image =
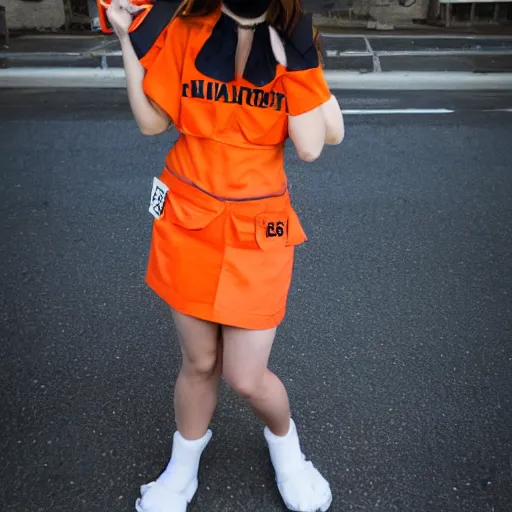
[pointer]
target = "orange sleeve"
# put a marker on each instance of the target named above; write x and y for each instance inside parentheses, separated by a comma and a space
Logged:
(164, 65)
(305, 90)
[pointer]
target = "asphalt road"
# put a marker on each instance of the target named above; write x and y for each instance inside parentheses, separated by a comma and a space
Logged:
(397, 348)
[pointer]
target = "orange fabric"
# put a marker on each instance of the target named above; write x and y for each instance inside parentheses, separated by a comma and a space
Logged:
(228, 171)
(232, 135)
(223, 261)
(163, 64)
(305, 90)
(103, 6)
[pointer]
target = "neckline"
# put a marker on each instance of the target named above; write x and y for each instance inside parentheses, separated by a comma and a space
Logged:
(244, 23)
(216, 58)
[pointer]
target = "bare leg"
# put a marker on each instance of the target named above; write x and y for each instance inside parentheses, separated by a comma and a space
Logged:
(195, 399)
(246, 355)
(197, 386)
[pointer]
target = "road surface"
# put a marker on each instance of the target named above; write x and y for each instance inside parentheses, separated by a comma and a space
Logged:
(397, 347)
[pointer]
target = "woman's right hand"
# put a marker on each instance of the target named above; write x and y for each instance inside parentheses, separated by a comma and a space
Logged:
(119, 15)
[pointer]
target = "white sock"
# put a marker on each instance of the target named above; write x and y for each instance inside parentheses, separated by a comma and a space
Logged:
(302, 487)
(183, 466)
(285, 451)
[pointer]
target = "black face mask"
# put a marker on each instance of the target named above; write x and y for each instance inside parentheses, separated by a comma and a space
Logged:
(247, 8)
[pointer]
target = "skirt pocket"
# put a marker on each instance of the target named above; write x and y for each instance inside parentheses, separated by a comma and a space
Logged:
(191, 214)
(258, 262)
(266, 231)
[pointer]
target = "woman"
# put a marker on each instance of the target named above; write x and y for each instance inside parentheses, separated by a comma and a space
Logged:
(237, 79)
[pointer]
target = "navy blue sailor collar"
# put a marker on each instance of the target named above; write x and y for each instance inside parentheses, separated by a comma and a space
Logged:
(216, 59)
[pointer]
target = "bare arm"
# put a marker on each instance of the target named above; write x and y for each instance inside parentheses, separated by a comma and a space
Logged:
(333, 119)
(307, 132)
(150, 118)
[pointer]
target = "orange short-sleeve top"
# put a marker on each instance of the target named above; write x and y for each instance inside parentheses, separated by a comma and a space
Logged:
(232, 128)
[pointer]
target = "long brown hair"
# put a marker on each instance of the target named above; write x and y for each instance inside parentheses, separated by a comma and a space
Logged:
(283, 15)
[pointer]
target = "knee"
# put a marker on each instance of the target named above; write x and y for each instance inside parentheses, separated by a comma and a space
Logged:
(202, 367)
(245, 386)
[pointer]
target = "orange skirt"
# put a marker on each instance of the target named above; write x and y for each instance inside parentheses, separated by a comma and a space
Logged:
(228, 262)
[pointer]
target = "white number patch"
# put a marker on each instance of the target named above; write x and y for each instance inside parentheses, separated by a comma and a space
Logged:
(158, 195)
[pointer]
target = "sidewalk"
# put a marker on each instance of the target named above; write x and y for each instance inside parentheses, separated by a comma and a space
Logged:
(353, 61)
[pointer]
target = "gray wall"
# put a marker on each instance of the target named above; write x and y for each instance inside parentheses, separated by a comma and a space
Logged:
(44, 14)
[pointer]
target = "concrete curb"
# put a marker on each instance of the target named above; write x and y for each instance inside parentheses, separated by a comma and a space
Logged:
(114, 78)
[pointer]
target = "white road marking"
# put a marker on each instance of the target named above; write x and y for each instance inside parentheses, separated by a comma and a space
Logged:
(394, 111)
(346, 53)
(415, 111)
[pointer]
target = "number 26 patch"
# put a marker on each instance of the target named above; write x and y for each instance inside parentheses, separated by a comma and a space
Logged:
(275, 229)
(158, 195)
(271, 230)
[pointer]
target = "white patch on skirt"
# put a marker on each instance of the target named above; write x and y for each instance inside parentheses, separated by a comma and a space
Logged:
(158, 195)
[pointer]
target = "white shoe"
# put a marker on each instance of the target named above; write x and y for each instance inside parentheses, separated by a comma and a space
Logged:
(302, 487)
